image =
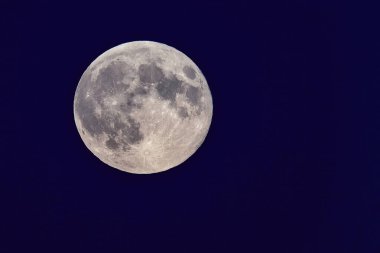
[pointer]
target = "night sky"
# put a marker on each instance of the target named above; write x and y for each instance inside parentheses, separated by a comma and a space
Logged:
(291, 162)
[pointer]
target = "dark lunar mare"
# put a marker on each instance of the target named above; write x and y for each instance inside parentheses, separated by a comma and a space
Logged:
(168, 88)
(85, 107)
(110, 80)
(112, 144)
(193, 94)
(150, 73)
(182, 112)
(189, 72)
(108, 83)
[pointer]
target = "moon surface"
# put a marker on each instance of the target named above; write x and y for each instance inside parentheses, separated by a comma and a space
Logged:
(143, 107)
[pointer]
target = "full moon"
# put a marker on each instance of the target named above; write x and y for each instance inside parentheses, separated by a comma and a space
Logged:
(143, 107)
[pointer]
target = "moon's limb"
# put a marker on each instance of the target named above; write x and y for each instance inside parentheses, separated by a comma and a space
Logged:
(143, 107)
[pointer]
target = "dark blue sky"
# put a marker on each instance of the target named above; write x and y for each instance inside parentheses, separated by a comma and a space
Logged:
(291, 162)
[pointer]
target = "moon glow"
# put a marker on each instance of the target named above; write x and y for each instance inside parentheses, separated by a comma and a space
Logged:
(143, 107)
